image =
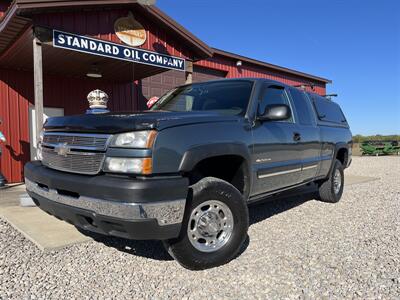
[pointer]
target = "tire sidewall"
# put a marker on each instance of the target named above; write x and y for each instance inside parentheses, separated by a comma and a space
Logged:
(337, 166)
(210, 188)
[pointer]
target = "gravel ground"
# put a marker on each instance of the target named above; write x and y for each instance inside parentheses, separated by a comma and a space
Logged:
(297, 249)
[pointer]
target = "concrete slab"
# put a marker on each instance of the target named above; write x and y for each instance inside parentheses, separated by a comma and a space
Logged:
(45, 231)
(9, 195)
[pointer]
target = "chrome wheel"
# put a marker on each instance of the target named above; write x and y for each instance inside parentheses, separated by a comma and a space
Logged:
(210, 226)
(337, 181)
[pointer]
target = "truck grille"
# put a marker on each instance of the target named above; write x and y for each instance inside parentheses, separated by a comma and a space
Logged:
(77, 141)
(73, 152)
(75, 162)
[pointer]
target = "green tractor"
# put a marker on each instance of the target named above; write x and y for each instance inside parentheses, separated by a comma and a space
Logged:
(380, 148)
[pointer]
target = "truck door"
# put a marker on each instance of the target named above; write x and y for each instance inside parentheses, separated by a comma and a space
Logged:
(276, 157)
(309, 143)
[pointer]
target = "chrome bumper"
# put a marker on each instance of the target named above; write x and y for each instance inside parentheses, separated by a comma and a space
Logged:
(166, 213)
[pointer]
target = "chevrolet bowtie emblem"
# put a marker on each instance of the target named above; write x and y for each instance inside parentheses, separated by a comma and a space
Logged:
(62, 149)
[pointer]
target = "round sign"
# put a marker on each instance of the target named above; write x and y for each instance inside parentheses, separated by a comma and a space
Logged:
(130, 31)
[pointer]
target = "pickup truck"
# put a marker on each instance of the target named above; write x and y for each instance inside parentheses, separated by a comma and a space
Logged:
(185, 171)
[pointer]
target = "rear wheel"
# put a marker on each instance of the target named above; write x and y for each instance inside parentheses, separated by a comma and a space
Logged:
(214, 227)
(331, 190)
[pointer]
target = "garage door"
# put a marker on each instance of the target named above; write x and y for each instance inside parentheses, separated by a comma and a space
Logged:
(157, 85)
(201, 74)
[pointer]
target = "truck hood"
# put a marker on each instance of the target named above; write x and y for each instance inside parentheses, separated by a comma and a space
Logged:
(124, 122)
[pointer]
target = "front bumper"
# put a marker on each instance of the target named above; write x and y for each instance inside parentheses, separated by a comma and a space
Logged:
(119, 206)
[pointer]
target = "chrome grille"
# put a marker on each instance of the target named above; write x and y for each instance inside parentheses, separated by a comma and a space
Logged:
(76, 140)
(74, 152)
(74, 161)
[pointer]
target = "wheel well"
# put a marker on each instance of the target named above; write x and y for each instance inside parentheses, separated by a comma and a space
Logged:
(231, 168)
(342, 155)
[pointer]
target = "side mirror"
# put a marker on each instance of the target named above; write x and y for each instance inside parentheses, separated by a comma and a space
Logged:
(275, 112)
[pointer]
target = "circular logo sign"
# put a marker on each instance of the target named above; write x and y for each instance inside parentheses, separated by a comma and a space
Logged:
(130, 31)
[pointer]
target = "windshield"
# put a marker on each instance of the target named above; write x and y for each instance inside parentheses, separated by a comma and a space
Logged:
(225, 97)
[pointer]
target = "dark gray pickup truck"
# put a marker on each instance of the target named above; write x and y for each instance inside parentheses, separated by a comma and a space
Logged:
(185, 171)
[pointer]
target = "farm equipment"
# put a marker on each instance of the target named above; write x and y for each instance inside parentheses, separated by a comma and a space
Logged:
(380, 148)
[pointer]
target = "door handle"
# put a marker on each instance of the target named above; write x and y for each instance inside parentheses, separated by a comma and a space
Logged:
(296, 136)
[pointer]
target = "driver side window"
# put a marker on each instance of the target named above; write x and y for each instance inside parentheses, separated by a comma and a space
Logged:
(274, 94)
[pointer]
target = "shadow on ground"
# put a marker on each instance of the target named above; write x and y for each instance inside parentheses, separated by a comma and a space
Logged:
(268, 207)
(258, 212)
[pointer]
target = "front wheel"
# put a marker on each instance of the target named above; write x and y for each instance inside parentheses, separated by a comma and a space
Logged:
(214, 227)
(331, 190)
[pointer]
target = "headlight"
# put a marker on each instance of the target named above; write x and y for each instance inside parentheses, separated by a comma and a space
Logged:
(128, 165)
(135, 139)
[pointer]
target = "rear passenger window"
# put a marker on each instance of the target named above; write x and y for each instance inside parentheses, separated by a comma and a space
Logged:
(274, 95)
(303, 107)
(329, 111)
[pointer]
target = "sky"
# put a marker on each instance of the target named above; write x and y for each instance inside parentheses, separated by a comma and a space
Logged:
(355, 43)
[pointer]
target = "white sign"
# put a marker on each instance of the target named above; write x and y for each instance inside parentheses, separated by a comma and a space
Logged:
(88, 45)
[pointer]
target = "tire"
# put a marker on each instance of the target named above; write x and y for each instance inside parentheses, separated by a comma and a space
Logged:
(216, 198)
(328, 190)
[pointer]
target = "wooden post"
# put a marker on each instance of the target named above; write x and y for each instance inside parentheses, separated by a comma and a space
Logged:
(189, 72)
(38, 85)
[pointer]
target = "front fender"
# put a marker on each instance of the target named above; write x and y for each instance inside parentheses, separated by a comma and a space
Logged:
(198, 153)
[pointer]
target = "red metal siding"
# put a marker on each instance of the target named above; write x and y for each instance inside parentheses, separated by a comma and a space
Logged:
(100, 24)
(16, 92)
(71, 94)
(247, 70)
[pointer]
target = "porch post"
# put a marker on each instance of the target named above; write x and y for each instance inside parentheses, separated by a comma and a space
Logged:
(38, 84)
(189, 72)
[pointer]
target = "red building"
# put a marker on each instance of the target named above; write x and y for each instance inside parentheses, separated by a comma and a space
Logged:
(138, 50)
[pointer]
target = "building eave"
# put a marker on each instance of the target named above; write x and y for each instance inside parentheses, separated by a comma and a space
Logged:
(268, 65)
